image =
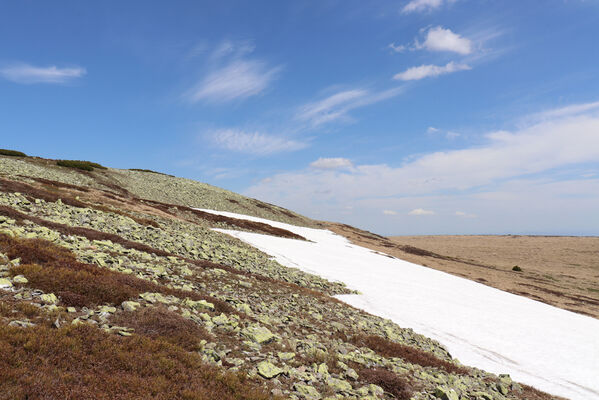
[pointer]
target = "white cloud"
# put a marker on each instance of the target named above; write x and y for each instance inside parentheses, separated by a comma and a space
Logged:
(237, 80)
(255, 143)
(426, 71)
(337, 106)
(421, 211)
(441, 39)
(567, 111)
(389, 212)
(332, 163)
(423, 5)
(25, 73)
(431, 130)
(446, 181)
(464, 214)
(397, 48)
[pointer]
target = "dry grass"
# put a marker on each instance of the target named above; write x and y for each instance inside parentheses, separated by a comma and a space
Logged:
(82, 362)
(413, 355)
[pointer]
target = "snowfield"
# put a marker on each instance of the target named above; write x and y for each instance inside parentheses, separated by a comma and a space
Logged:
(554, 350)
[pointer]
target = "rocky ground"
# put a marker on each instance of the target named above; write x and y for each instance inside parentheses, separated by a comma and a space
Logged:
(111, 287)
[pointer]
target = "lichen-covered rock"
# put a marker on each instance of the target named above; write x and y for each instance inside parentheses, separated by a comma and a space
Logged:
(20, 279)
(268, 370)
(339, 385)
(5, 283)
(306, 391)
(130, 305)
(49, 298)
(285, 356)
(258, 334)
(198, 305)
(446, 393)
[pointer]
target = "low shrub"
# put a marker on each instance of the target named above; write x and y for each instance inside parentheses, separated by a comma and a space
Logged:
(158, 322)
(390, 382)
(79, 164)
(82, 362)
(413, 355)
(56, 269)
(150, 171)
(12, 153)
(516, 268)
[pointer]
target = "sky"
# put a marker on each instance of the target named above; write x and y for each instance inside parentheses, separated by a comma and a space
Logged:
(401, 117)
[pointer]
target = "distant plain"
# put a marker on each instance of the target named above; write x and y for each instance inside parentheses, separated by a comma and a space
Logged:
(562, 271)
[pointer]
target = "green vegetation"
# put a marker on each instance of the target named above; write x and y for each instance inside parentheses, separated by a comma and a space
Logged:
(79, 164)
(12, 153)
(150, 171)
(516, 268)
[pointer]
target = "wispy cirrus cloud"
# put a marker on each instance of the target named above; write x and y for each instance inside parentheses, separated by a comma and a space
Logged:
(29, 74)
(424, 5)
(516, 171)
(232, 75)
(337, 106)
(428, 71)
(254, 143)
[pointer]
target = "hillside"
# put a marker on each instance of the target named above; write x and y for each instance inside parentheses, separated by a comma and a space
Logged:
(113, 287)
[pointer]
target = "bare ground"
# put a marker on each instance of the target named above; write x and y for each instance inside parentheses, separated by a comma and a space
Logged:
(557, 270)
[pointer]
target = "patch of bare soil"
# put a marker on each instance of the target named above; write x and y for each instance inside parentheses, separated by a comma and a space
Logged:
(557, 270)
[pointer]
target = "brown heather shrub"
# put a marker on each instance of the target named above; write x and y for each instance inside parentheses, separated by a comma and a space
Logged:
(413, 355)
(90, 234)
(390, 382)
(84, 363)
(158, 322)
(10, 186)
(240, 223)
(56, 269)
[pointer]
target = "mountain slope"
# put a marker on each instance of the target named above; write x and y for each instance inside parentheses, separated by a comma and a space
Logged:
(112, 287)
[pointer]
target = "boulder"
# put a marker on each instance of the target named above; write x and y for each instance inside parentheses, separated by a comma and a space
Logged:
(258, 334)
(268, 370)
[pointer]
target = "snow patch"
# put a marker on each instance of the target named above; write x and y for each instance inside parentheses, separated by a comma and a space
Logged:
(554, 350)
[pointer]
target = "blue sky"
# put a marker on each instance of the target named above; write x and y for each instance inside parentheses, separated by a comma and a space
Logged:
(402, 117)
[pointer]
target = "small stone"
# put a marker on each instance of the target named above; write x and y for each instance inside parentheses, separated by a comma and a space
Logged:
(268, 370)
(71, 309)
(307, 391)
(124, 333)
(501, 388)
(20, 279)
(49, 298)
(285, 356)
(220, 320)
(107, 309)
(5, 283)
(445, 393)
(130, 305)
(339, 385)
(323, 369)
